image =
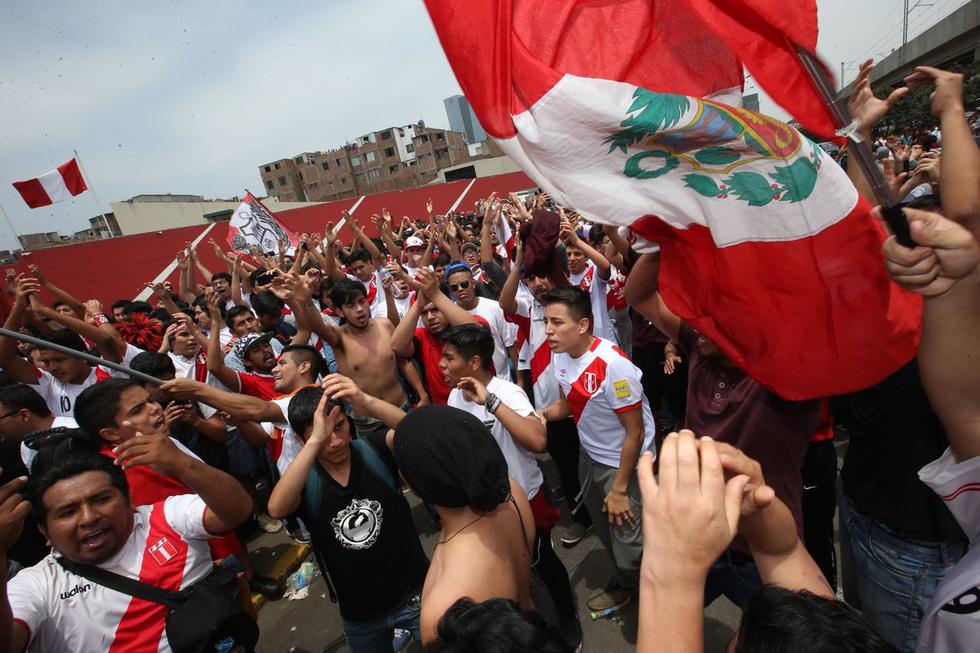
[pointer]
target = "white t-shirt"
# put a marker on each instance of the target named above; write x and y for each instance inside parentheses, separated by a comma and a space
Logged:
(952, 620)
(521, 463)
(600, 384)
(60, 396)
(289, 444)
(28, 455)
(66, 613)
(503, 335)
(530, 318)
(598, 289)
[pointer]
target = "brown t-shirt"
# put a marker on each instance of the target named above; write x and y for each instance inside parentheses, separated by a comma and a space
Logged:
(730, 406)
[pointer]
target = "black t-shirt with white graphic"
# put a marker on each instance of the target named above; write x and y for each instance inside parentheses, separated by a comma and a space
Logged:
(366, 537)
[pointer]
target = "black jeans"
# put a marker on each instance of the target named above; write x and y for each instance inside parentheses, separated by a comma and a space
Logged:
(563, 448)
(667, 393)
(819, 503)
(554, 576)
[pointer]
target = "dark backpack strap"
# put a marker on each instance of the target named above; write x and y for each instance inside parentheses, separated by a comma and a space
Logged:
(373, 460)
(123, 584)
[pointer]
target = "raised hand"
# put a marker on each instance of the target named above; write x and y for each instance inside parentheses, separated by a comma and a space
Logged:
(865, 107)
(427, 282)
(37, 274)
(473, 390)
(948, 95)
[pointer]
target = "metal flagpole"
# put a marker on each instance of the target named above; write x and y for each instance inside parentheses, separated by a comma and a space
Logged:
(891, 211)
(95, 360)
(11, 225)
(91, 188)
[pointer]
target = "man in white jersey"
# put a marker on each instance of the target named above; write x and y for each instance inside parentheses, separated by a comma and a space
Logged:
(526, 310)
(589, 270)
(505, 410)
(600, 388)
(81, 503)
(463, 286)
(23, 411)
(65, 376)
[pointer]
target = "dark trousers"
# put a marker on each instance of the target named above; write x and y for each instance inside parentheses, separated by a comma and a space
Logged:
(819, 504)
(563, 448)
(554, 576)
(667, 393)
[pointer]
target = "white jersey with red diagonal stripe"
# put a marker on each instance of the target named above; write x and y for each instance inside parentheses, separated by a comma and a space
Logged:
(66, 613)
(597, 287)
(599, 385)
(530, 320)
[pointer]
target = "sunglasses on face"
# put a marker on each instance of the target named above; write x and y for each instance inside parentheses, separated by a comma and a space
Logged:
(462, 285)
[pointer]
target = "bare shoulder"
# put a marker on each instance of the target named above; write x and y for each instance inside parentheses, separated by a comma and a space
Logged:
(434, 605)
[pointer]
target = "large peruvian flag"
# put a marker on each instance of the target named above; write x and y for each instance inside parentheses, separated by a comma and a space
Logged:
(253, 225)
(629, 113)
(59, 185)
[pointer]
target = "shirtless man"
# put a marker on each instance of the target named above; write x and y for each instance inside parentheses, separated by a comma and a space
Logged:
(450, 460)
(361, 345)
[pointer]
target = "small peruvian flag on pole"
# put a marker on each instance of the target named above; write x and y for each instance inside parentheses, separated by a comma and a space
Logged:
(59, 185)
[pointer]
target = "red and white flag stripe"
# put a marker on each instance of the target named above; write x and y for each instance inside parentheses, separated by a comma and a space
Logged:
(59, 185)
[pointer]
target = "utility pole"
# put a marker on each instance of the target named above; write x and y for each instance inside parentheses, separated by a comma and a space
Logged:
(905, 24)
(841, 77)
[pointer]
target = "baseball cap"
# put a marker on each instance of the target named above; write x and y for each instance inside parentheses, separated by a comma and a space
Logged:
(414, 241)
(470, 245)
(248, 341)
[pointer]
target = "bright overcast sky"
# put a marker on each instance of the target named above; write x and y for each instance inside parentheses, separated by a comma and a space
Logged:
(191, 97)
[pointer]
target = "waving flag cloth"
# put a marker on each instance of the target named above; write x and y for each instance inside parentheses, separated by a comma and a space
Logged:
(254, 225)
(628, 112)
(59, 185)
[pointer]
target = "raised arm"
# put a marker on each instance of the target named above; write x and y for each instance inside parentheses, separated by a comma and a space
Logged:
(238, 274)
(288, 490)
(206, 273)
(376, 257)
(426, 259)
(341, 388)
(429, 285)
(642, 296)
(527, 430)
(403, 338)
(332, 269)
(216, 358)
(490, 212)
(106, 338)
(959, 184)
(292, 289)
(571, 237)
(384, 229)
(75, 305)
(16, 367)
(943, 268)
(508, 294)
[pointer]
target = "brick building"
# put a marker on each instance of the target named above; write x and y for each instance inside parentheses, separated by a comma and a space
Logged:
(389, 159)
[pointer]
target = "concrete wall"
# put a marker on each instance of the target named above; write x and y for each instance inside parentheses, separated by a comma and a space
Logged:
(951, 38)
(144, 217)
(484, 167)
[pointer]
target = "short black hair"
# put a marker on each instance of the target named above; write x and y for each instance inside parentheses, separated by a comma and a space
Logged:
(359, 254)
(471, 340)
(577, 300)
(218, 276)
(119, 303)
(307, 354)
(443, 260)
(495, 626)
(346, 291)
(96, 406)
(310, 265)
(80, 462)
(20, 395)
(234, 312)
(154, 363)
(265, 302)
(302, 408)
(161, 314)
(202, 304)
(58, 303)
(65, 338)
(777, 619)
(137, 307)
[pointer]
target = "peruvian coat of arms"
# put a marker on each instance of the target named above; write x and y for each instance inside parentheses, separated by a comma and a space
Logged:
(725, 152)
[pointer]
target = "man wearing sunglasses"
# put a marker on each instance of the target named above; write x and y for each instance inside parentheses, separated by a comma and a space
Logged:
(463, 287)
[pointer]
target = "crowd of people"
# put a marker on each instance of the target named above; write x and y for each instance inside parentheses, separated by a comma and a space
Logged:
(448, 356)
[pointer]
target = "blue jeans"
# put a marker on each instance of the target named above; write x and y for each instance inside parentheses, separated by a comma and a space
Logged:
(734, 576)
(375, 635)
(890, 578)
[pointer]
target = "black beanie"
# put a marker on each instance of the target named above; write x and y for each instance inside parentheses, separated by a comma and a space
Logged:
(450, 459)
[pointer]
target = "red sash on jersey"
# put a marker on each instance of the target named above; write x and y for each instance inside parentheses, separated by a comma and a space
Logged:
(586, 385)
(201, 367)
(164, 559)
(372, 289)
(586, 281)
(101, 375)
